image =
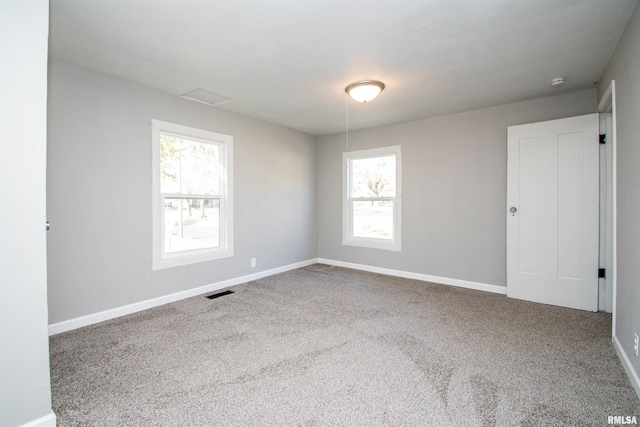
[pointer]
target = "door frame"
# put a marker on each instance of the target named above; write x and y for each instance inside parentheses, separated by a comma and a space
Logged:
(607, 105)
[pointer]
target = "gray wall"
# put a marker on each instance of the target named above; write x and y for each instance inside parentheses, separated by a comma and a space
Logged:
(25, 394)
(99, 193)
(454, 179)
(624, 68)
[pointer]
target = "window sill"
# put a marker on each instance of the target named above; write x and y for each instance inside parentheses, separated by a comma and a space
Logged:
(388, 245)
(187, 259)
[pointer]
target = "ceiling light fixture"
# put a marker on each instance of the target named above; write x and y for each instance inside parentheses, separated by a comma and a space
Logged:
(364, 90)
(560, 81)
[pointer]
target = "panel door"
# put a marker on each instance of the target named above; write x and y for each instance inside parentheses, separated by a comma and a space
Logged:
(553, 212)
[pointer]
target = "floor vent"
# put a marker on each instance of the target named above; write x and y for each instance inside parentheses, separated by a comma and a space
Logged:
(219, 294)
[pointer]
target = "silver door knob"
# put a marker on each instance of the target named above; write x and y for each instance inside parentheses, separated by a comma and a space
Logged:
(513, 209)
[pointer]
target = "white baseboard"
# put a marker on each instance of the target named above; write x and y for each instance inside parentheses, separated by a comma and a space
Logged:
(68, 325)
(102, 316)
(90, 319)
(418, 276)
(622, 355)
(46, 421)
(626, 364)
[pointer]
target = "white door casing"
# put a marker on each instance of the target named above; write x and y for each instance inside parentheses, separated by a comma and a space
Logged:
(552, 237)
(605, 294)
(607, 105)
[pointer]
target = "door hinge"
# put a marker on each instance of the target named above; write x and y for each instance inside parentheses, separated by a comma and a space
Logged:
(602, 273)
(603, 138)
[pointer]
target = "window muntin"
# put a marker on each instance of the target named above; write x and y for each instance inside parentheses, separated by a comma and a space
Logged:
(193, 195)
(371, 214)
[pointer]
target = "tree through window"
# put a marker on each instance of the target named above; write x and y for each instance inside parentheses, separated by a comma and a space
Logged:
(372, 202)
(193, 195)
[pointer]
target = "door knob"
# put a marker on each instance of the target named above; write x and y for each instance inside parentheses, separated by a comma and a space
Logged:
(513, 210)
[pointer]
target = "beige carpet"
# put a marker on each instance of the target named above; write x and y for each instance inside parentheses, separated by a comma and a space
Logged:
(331, 346)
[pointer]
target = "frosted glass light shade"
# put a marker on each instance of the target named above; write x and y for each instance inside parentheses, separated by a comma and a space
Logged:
(365, 90)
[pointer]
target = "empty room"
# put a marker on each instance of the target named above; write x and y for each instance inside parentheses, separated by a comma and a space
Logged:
(331, 212)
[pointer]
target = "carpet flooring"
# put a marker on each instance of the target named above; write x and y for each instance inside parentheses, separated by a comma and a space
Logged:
(329, 346)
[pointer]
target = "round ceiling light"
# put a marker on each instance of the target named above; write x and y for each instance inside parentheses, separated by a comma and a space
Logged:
(364, 90)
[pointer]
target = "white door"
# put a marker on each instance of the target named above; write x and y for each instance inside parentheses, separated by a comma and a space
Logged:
(553, 212)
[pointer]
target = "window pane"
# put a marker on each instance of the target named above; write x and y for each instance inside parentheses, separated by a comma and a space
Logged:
(373, 177)
(373, 219)
(169, 164)
(189, 167)
(191, 224)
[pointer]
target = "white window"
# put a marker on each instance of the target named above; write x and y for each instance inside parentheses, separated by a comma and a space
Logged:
(371, 206)
(192, 195)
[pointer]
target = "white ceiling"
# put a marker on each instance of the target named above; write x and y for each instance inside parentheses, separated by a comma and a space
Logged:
(288, 62)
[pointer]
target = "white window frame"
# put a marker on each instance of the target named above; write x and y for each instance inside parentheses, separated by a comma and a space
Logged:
(348, 238)
(225, 142)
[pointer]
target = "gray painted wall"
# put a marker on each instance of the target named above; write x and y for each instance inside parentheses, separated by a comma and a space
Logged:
(99, 193)
(624, 68)
(25, 394)
(454, 178)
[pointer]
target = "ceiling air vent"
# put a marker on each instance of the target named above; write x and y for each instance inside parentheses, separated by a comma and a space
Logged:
(206, 97)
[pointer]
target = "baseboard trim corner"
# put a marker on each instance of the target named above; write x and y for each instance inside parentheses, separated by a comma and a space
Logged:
(90, 319)
(626, 364)
(46, 421)
(418, 276)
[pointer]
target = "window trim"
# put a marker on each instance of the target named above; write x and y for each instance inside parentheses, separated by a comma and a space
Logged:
(225, 250)
(348, 239)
